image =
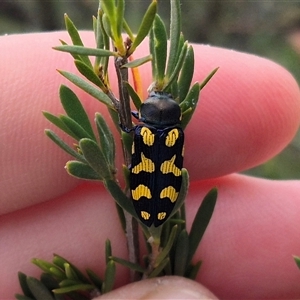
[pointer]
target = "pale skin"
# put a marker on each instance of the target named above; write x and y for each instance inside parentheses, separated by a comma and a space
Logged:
(247, 113)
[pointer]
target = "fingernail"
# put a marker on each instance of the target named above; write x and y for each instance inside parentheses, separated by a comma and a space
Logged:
(178, 293)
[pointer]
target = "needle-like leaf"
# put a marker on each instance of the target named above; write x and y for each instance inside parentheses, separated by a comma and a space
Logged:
(145, 26)
(82, 170)
(95, 158)
(75, 110)
(89, 88)
(201, 221)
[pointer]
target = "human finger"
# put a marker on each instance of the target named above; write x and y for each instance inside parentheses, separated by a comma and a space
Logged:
(247, 247)
(168, 287)
(244, 116)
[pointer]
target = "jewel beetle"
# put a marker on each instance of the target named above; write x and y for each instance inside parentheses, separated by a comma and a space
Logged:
(157, 158)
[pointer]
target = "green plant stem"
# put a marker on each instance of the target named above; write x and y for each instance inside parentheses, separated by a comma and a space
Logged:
(125, 119)
(155, 252)
(154, 239)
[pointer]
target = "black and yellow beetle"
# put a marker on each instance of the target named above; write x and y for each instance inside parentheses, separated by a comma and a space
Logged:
(157, 159)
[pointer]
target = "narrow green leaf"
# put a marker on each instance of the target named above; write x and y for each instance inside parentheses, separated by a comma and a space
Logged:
(162, 255)
(72, 288)
(107, 26)
(177, 67)
(109, 278)
(95, 158)
(193, 270)
(207, 79)
(126, 173)
(43, 264)
(39, 291)
(81, 50)
(134, 96)
(183, 191)
(168, 269)
(95, 279)
(153, 53)
(128, 30)
(128, 264)
(89, 74)
(103, 42)
(120, 8)
(166, 231)
(67, 282)
(160, 49)
(72, 30)
(183, 215)
(145, 26)
(137, 62)
(23, 283)
(175, 29)
(186, 74)
(75, 37)
(95, 26)
(57, 273)
(156, 272)
(98, 35)
(108, 252)
(59, 123)
(115, 118)
(181, 253)
(107, 142)
(106, 39)
(81, 170)
(189, 104)
(70, 273)
(77, 129)
(60, 261)
(180, 44)
(58, 141)
(174, 89)
(74, 109)
(191, 99)
(75, 56)
(109, 8)
(87, 87)
(111, 21)
(121, 216)
(201, 221)
(120, 197)
(127, 141)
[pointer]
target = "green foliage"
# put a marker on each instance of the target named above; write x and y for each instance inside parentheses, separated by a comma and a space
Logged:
(62, 280)
(170, 246)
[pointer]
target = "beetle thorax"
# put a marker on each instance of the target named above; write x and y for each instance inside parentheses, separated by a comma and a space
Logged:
(160, 112)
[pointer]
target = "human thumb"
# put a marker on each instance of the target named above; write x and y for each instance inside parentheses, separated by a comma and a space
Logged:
(168, 287)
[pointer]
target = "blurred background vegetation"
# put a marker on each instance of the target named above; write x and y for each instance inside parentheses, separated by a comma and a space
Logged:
(266, 28)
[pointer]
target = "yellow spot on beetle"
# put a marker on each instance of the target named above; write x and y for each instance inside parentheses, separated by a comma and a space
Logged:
(172, 137)
(145, 215)
(170, 193)
(146, 165)
(161, 215)
(141, 191)
(168, 166)
(148, 136)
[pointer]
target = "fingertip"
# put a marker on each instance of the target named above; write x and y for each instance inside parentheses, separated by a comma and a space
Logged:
(247, 113)
(169, 287)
